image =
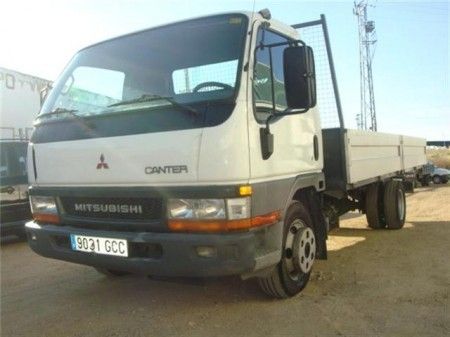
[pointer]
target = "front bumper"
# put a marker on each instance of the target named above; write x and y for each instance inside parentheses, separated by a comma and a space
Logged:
(13, 228)
(166, 254)
(13, 218)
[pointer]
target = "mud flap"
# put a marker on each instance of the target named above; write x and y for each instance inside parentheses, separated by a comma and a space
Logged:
(319, 223)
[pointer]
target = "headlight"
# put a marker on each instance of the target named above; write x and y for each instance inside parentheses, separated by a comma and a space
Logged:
(196, 209)
(41, 204)
(216, 215)
(44, 209)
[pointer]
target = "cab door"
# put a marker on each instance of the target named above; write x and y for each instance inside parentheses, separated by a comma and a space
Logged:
(295, 137)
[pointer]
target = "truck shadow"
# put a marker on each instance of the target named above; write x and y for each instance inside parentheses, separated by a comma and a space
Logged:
(430, 188)
(351, 215)
(410, 225)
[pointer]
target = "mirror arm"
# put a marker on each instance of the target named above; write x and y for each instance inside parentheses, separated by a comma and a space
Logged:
(267, 142)
(287, 112)
(272, 116)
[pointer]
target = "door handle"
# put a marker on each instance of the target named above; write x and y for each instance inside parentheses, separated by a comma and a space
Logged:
(316, 147)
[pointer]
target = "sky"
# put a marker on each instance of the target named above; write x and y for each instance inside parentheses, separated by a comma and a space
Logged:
(410, 67)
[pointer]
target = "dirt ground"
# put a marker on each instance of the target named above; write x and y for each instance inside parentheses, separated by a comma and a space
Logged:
(375, 283)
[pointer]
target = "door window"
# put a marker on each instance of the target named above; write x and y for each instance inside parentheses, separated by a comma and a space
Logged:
(265, 75)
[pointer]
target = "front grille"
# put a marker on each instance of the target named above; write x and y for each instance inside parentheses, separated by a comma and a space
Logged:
(113, 208)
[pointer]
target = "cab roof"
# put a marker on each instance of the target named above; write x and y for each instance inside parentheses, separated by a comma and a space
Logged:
(252, 16)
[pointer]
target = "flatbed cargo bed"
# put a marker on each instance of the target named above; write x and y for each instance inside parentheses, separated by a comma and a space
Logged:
(353, 158)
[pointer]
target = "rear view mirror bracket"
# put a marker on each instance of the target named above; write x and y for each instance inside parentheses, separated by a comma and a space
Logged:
(266, 137)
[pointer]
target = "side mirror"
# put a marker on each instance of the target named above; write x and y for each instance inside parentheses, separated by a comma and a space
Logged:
(299, 77)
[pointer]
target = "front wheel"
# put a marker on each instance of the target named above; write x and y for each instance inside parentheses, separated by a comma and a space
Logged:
(292, 273)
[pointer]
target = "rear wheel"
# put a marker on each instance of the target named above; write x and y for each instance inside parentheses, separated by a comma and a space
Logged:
(374, 207)
(394, 204)
(437, 179)
(111, 272)
(292, 273)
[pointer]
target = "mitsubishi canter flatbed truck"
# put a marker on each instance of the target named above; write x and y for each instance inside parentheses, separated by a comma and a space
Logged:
(196, 149)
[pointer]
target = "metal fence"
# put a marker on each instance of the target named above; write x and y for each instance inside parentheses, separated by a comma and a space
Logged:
(12, 133)
(315, 35)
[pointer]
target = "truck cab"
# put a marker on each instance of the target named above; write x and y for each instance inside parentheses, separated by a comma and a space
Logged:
(221, 82)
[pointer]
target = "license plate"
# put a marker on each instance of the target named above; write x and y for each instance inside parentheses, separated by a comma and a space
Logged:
(104, 246)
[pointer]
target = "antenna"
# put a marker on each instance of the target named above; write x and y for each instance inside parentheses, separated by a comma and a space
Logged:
(366, 119)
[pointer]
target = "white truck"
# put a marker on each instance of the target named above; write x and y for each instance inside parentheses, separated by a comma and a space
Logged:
(19, 103)
(19, 106)
(196, 149)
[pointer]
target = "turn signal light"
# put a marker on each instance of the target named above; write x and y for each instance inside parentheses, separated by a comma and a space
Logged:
(49, 218)
(218, 226)
(245, 190)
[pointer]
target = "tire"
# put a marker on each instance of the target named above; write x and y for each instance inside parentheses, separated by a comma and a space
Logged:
(374, 207)
(111, 272)
(425, 181)
(437, 180)
(394, 204)
(291, 274)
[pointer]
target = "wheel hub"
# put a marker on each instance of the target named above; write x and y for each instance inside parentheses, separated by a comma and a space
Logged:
(300, 249)
(304, 249)
(401, 204)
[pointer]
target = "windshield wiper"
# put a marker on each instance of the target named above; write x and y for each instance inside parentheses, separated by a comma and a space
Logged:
(153, 97)
(71, 112)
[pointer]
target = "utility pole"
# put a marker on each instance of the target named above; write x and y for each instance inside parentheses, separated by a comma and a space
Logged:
(366, 119)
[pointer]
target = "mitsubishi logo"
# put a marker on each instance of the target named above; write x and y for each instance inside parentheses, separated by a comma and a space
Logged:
(102, 164)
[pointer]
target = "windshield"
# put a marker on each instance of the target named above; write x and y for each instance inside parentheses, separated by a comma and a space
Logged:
(189, 63)
(13, 160)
